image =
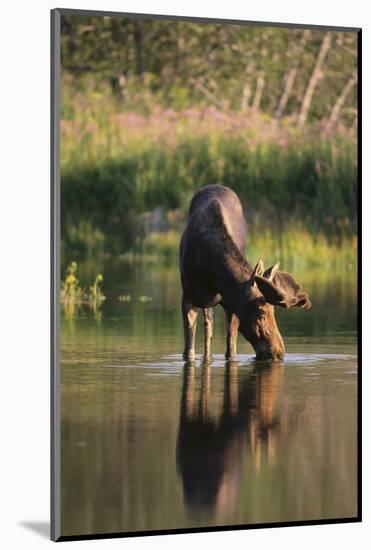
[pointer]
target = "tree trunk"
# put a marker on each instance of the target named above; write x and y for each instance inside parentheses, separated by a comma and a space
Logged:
(335, 113)
(258, 92)
(209, 95)
(246, 91)
(314, 79)
(289, 84)
(138, 48)
(291, 76)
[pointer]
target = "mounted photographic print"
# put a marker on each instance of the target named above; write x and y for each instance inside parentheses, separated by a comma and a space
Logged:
(205, 274)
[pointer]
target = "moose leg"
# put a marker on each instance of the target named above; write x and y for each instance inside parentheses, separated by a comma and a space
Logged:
(231, 326)
(208, 314)
(190, 322)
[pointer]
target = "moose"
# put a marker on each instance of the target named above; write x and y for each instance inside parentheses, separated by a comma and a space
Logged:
(214, 270)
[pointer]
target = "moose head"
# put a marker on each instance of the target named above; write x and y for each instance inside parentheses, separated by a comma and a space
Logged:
(266, 289)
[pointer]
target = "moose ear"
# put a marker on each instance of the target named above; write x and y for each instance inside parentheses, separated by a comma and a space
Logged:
(270, 272)
(270, 291)
(283, 290)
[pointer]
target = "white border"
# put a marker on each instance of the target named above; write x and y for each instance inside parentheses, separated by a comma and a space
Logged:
(24, 283)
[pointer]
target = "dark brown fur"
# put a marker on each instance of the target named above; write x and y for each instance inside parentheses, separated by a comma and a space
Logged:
(214, 270)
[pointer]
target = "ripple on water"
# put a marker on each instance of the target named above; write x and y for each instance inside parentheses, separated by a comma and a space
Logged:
(172, 364)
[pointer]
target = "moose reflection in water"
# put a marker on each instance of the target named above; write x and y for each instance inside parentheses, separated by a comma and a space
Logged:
(210, 451)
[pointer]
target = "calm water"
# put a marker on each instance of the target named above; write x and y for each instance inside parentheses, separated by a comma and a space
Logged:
(150, 443)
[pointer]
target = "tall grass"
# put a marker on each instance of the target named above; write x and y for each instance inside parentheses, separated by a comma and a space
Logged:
(295, 249)
(118, 165)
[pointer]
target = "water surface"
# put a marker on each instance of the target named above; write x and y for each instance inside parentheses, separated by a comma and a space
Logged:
(149, 442)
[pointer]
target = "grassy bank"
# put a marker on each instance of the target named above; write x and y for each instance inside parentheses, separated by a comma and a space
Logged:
(296, 249)
(299, 188)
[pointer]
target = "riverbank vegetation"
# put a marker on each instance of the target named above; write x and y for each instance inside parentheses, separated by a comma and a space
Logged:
(72, 291)
(268, 112)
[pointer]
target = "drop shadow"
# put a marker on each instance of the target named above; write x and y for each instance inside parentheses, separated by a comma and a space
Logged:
(42, 528)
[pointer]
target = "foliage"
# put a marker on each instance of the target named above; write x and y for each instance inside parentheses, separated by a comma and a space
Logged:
(124, 298)
(82, 238)
(152, 110)
(72, 292)
(181, 64)
(295, 248)
(282, 175)
(95, 292)
(70, 286)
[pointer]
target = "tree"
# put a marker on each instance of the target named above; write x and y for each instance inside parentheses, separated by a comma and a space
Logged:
(314, 78)
(180, 64)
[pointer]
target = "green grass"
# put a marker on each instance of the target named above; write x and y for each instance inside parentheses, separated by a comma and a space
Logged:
(296, 249)
(299, 189)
